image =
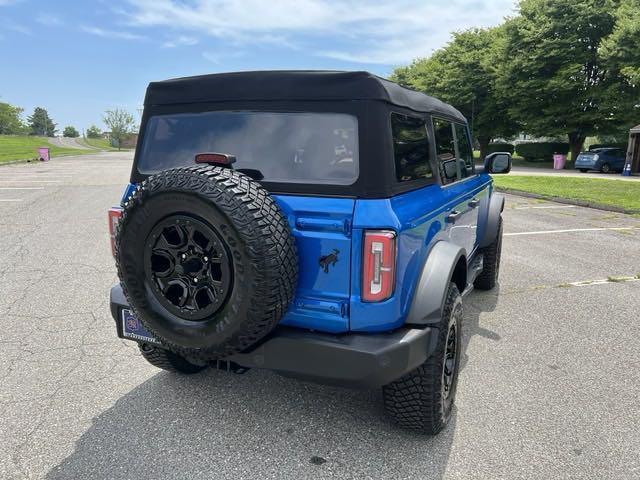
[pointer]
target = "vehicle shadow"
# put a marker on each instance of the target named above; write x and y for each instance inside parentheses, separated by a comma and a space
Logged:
(258, 425)
(475, 304)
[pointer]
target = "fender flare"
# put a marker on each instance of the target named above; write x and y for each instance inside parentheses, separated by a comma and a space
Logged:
(431, 291)
(496, 206)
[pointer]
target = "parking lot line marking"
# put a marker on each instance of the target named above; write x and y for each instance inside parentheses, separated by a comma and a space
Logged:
(21, 188)
(570, 230)
(544, 207)
(10, 199)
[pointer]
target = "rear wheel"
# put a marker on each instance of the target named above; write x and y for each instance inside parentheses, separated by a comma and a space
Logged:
(166, 360)
(422, 400)
(584, 170)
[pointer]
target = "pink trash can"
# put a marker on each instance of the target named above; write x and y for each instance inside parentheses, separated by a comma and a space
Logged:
(43, 154)
(559, 161)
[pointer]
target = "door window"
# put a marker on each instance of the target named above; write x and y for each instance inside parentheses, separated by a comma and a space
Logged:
(445, 151)
(465, 151)
(410, 148)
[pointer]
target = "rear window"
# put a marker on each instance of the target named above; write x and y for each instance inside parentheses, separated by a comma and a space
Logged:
(283, 147)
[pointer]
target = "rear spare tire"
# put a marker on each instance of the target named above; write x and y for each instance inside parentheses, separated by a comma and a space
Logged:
(206, 260)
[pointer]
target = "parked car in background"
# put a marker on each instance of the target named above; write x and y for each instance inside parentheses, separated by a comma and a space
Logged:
(604, 160)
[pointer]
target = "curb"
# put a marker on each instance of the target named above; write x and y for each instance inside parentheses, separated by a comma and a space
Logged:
(568, 201)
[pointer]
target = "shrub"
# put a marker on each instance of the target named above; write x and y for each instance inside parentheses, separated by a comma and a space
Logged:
(541, 150)
(623, 146)
(500, 147)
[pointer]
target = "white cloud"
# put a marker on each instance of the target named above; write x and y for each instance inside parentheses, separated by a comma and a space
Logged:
(100, 32)
(383, 31)
(48, 19)
(220, 56)
(180, 41)
(16, 27)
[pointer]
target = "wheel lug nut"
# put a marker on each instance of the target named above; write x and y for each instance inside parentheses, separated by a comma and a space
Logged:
(195, 280)
(206, 259)
(183, 256)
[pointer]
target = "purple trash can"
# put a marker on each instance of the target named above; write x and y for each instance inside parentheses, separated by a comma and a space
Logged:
(43, 154)
(559, 161)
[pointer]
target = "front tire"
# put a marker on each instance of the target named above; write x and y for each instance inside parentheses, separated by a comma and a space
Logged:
(423, 399)
(606, 168)
(488, 278)
(584, 170)
(169, 361)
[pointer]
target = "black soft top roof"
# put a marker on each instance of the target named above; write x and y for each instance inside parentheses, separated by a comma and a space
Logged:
(292, 85)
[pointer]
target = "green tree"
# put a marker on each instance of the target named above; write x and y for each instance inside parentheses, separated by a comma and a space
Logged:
(552, 72)
(463, 74)
(40, 123)
(621, 53)
(11, 120)
(70, 132)
(120, 122)
(94, 132)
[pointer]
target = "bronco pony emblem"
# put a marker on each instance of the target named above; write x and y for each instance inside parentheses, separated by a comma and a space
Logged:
(330, 259)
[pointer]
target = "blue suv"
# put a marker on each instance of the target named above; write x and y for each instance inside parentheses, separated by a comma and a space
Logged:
(324, 225)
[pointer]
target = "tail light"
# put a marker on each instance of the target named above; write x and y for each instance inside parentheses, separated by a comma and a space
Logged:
(115, 214)
(378, 265)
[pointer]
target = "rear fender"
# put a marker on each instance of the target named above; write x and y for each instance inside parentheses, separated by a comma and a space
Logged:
(433, 284)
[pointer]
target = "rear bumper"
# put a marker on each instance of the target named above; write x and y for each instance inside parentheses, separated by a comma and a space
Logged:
(355, 359)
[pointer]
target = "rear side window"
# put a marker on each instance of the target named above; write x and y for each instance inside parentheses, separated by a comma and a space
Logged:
(445, 151)
(465, 151)
(288, 147)
(410, 148)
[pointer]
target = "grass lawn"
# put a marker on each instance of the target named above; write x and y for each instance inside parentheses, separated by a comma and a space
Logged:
(23, 148)
(617, 193)
(101, 143)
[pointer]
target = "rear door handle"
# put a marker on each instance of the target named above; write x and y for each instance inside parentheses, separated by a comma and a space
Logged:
(453, 216)
(474, 202)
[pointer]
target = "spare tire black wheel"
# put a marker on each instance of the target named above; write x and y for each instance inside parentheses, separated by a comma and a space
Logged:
(206, 260)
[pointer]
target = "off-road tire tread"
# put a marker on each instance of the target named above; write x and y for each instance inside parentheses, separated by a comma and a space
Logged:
(262, 227)
(169, 361)
(488, 278)
(414, 401)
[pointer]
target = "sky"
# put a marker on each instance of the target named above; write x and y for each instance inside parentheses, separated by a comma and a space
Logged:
(79, 58)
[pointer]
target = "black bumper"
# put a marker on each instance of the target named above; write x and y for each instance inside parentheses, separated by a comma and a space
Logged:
(362, 360)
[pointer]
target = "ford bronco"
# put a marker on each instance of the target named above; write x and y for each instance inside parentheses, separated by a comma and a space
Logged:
(324, 225)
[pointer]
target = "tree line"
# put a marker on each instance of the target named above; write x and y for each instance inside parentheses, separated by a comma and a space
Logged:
(120, 123)
(560, 68)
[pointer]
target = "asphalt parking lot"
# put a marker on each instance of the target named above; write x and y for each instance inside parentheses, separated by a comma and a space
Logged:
(549, 386)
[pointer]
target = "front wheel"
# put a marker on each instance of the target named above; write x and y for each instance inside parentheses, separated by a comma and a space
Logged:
(606, 168)
(583, 170)
(488, 278)
(422, 400)
(166, 360)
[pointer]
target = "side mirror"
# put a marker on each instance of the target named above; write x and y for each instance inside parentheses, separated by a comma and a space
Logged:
(497, 163)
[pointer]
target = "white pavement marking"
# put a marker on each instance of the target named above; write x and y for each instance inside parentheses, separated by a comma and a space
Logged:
(21, 188)
(10, 199)
(604, 281)
(545, 207)
(570, 230)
